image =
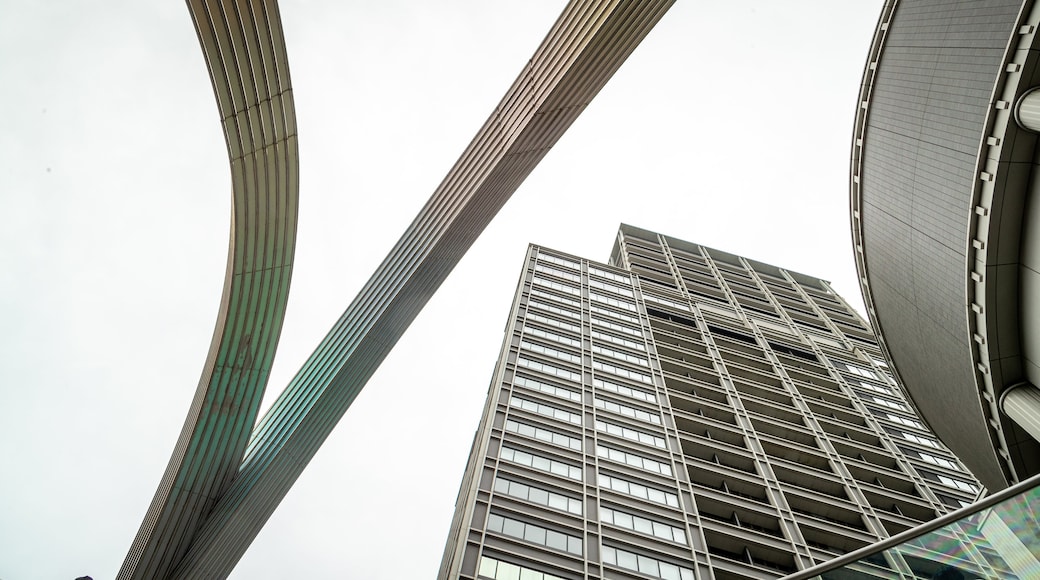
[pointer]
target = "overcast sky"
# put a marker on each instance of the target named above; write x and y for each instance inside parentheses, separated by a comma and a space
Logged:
(729, 126)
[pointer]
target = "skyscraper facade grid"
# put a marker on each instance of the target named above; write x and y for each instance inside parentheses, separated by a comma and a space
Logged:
(682, 413)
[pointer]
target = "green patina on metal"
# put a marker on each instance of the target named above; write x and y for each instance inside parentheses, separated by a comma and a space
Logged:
(238, 41)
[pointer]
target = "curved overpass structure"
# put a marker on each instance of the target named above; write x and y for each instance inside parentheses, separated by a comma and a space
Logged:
(941, 178)
(245, 53)
(586, 45)
(217, 494)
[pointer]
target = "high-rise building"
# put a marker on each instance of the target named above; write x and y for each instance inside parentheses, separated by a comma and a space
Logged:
(682, 413)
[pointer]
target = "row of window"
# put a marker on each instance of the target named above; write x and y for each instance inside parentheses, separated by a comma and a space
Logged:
(611, 288)
(631, 459)
(558, 261)
(890, 404)
(545, 410)
(539, 496)
(498, 570)
(645, 565)
(622, 304)
(631, 434)
(918, 439)
(933, 459)
(548, 369)
(494, 569)
(551, 352)
(619, 355)
(543, 435)
(627, 411)
(625, 391)
(876, 388)
(557, 272)
(618, 340)
(611, 275)
(569, 341)
(622, 372)
(631, 318)
(540, 463)
(552, 321)
(904, 421)
(618, 327)
(566, 288)
(958, 484)
(546, 388)
(534, 534)
(861, 371)
(642, 525)
(556, 297)
(638, 490)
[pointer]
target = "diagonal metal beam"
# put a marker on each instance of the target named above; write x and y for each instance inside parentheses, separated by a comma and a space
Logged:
(587, 44)
(245, 53)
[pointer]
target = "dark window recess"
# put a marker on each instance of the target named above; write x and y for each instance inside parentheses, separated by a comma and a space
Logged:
(732, 334)
(879, 560)
(670, 285)
(671, 317)
(794, 352)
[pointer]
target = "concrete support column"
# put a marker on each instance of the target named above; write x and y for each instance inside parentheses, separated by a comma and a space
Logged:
(1022, 404)
(1027, 111)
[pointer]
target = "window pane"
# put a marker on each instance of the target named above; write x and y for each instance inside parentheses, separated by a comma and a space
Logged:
(557, 501)
(648, 566)
(623, 520)
(669, 572)
(487, 567)
(539, 496)
(556, 540)
(643, 526)
(535, 534)
(507, 571)
(627, 560)
(513, 528)
(495, 523)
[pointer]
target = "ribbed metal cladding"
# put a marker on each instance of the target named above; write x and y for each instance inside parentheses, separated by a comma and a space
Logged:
(244, 49)
(585, 47)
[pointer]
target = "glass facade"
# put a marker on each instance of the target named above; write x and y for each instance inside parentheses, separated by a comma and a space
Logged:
(996, 538)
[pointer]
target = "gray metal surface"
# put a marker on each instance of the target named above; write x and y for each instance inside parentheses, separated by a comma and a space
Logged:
(926, 104)
(585, 47)
(1022, 403)
(245, 53)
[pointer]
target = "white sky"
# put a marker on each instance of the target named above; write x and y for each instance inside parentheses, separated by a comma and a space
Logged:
(729, 126)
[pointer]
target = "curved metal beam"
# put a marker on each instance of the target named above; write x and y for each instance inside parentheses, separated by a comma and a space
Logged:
(590, 40)
(244, 50)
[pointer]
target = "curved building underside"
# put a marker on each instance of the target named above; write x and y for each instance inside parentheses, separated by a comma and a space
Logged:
(941, 179)
(218, 491)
